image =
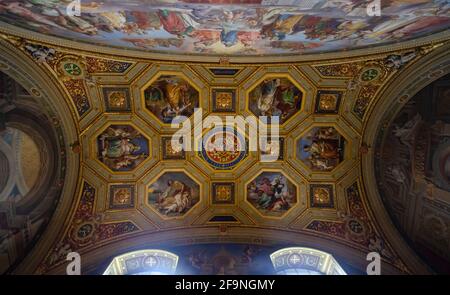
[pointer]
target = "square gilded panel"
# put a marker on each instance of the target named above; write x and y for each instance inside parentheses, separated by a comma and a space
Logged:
(224, 100)
(223, 193)
(121, 196)
(170, 152)
(117, 99)
(328, 101)
(321, 195)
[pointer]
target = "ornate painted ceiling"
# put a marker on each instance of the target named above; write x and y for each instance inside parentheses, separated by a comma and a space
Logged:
(236, 28)
(126, 187)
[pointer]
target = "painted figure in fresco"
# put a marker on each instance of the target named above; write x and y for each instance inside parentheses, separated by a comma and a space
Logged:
(122, 148)
(208, 259)
(177, 99)
(232, 37)
(169, 97)
(176, 197)
(176, 23)
(19, 9)
(248, 254)
(267, 97)
(406, 132)
(283, 25)
(275, 97)
(323, 148)
(271, 195)
(173, 194)
(154, 43)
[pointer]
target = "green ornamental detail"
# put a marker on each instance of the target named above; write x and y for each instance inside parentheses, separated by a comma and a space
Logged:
(369, 75)
(72, 69)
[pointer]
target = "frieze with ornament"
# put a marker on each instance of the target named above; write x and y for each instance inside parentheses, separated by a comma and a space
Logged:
(346, 70)
(77, 91)
(356, 227)
(87, 228)
(99, 65)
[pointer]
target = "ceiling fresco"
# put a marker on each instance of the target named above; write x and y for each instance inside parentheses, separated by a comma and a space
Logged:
(216, 208)
(244, 28)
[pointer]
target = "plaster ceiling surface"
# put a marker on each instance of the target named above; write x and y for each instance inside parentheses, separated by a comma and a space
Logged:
(232, 28)
(127, 186)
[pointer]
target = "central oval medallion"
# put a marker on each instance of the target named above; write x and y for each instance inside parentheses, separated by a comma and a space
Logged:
(223, 147)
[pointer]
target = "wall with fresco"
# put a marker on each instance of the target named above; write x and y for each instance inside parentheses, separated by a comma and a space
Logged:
(414, 172)
(250, 27)
(27, 199)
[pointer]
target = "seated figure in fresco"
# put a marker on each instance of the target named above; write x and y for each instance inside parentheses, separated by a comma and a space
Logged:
(176, 97)
(170, 96)
(230, 37)
(324, 151)
(176, 197)
(117, 149)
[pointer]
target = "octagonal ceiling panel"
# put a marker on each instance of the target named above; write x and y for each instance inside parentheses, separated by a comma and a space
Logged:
(122, 147)
(231, 28)
(321, 148)
(173, 194)
(272, 193)
(275, 97)
(164, 90)
(288, 94)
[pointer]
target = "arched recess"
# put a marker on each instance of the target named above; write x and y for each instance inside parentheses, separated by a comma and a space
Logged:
(392, 99)
(143, 262)
(305, 261)
(52, 104)
(26, 120)
(96, 260)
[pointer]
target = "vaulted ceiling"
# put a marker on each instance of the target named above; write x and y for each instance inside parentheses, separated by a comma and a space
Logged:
(111, 109)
